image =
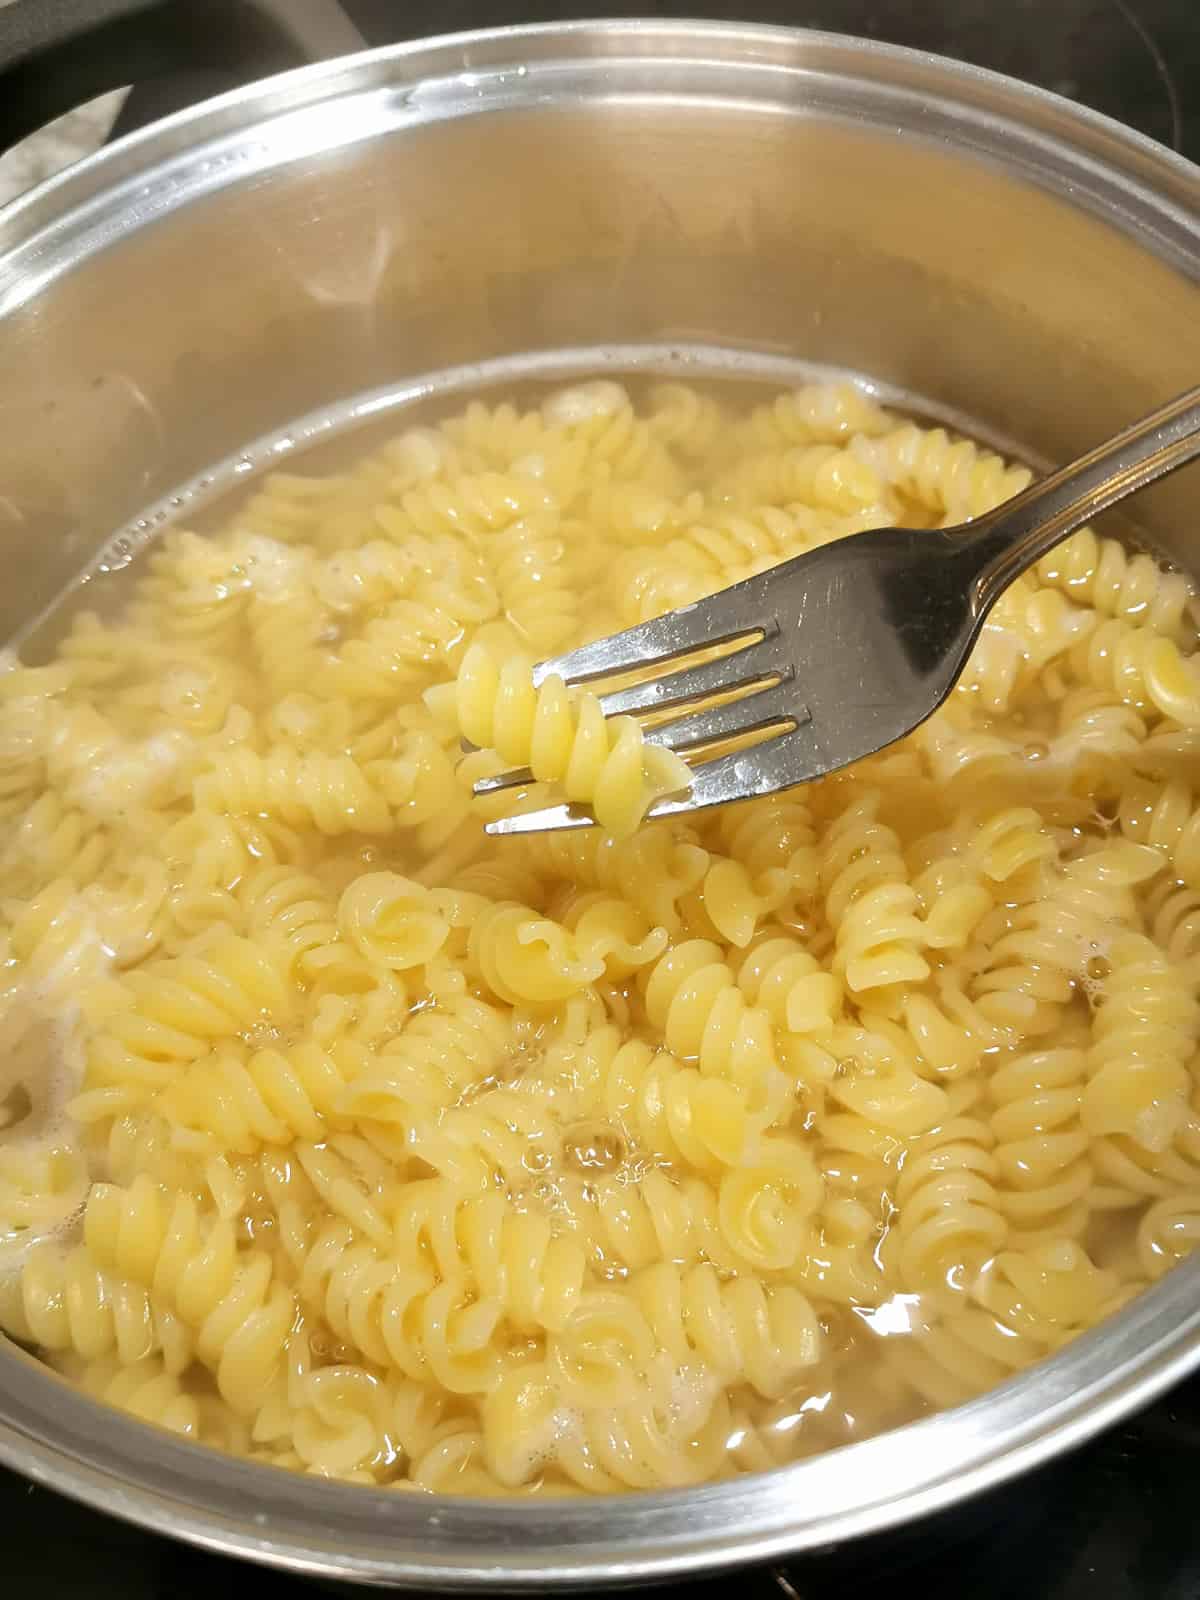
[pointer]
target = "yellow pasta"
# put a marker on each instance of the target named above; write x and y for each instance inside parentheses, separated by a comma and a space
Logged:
(340, 1135)
(1102, 573)
(63, 1301)
(694, 1001)
(241, 1318)
(564, 738)
(391, 920)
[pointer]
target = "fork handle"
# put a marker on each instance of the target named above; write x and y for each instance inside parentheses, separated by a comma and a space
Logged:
(1018, 533)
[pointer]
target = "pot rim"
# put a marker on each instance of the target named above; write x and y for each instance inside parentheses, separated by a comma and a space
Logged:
(1153, 193)
(60, 1438)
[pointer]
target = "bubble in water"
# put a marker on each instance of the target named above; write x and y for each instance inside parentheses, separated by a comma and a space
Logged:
(593, 1147)
(118, 555)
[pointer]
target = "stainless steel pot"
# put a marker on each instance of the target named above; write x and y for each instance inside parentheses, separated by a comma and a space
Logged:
(967, 238)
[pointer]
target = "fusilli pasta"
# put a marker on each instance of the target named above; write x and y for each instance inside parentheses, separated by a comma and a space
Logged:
(342, 1136)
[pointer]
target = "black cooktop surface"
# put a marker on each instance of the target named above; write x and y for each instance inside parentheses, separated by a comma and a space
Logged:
(1136, 60)
(1116, 1518)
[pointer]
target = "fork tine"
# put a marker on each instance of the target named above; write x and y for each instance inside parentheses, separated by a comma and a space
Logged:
(728, 672)
(751, 712)
(512, 779)
(549, 818)
(705, 622)
(734, 671)
(776, 764)
(743, 715)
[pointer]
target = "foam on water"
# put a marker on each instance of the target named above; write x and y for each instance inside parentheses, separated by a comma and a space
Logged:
(275, 567)
(128, 771)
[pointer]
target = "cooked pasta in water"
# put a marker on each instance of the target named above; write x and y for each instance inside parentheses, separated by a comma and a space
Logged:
(338, 1134)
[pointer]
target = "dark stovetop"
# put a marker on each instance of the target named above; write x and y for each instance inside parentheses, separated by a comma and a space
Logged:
(1115, 1518)
(1136, 60)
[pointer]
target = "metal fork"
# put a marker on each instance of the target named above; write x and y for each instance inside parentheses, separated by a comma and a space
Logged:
(845, 649)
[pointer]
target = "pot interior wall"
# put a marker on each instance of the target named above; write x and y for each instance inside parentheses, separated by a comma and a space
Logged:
(766, 228)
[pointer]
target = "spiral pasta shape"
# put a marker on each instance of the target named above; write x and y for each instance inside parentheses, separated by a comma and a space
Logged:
(197, 593)
(672, 1111)
(437, 1055)
(951, 1032)
(55, 941)
(396, 651)
(775, 841)
(53, 839)
(175, 1009)
(528, 563)
(1173, 916)
(287, 630)
(727, 906)
(689, 422)
(391, 920)
(292, 507)
(1031, 1305)
(638, 1445)
(623, 1226)
(289, 912)
(62, 1301)
(654, 869)
(497, 1136)
(954, 475)
(240, 1316)
(565, 739)
(146, 1390)
(533, 1272)
(497, 436)
(599, 416)
(1101, 573)
(613, 932)
(341, 1135)
(869, 902)
(740, 1330)
(1167, 1232)
(246, 1099)
(1143, 667)
(1034, 952)
(949, 1219)
(815, 414)
(1145, 1032)
(1168, 818)
(42, 1186)
(1043, 1171)
(693, 998)
(827, 476)
(791, 986)
(474, 504)
(526, 958)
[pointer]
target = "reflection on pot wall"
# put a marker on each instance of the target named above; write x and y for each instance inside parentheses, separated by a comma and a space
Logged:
(303, 284)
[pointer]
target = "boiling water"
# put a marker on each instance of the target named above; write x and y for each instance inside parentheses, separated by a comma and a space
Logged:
(898, 1326)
